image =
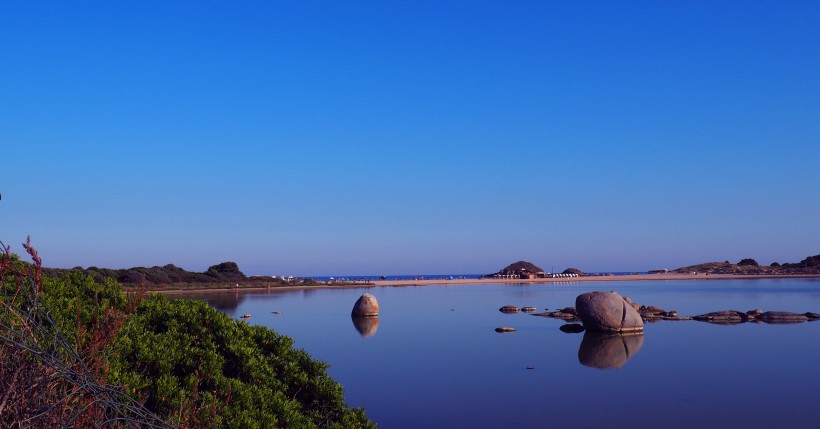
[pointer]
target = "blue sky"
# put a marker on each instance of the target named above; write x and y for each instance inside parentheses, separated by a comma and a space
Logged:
(323, 138)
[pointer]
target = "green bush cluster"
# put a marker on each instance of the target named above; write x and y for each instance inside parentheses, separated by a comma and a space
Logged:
(80, 307)
(189, 362)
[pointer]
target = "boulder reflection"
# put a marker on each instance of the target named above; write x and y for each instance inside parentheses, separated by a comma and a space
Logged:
(367, 326)
(605, 350)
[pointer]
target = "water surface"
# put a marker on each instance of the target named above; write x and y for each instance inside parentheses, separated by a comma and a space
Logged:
(434, 360)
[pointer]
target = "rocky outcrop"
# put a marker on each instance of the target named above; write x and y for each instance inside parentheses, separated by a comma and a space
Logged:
(726, 317)
(366, 306)
(575, 271)
(560, 314)
(516, 268)
(607, 312)
(781, 317)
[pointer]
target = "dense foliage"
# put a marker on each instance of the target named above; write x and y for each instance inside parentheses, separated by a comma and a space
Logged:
(225, 272)
(748, 262)
(189, 362)
(219, 275)
(77, 352)
(53, 351)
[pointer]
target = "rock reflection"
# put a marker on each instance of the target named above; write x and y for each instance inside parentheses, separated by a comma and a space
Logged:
(606, 351)
(367, 326)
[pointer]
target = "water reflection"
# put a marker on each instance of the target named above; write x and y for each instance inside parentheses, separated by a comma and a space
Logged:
(606, 351)
(367, 326)
(226, 302)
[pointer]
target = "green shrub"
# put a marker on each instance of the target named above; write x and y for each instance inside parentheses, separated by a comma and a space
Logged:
(192, 364)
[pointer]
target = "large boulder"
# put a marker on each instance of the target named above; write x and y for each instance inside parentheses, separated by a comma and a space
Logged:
(607, 312)
(366, 306)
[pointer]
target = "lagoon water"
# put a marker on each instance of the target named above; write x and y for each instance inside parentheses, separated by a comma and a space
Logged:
(433, 359)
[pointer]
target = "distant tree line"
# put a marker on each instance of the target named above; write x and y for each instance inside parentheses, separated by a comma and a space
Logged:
(225, 272)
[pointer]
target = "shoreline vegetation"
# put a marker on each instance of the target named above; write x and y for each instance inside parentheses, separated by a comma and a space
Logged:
(76, 353)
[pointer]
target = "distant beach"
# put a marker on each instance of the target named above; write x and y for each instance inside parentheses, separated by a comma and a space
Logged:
(444, 281)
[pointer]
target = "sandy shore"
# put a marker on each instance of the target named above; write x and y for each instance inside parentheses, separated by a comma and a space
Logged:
(383, 283)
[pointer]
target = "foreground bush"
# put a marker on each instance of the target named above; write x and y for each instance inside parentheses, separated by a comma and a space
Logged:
(77, 353)
(54, 337)
(195, 365)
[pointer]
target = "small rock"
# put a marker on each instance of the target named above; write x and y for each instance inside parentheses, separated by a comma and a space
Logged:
(572, 328)
(276, 312)
(246, 316)
(782, 317)
(726, 317)
(504, 329)
(650, 309)
(528, 309)
(557, 315)
(530, 367)
(508, 309)
(569, 310)
(812, 316)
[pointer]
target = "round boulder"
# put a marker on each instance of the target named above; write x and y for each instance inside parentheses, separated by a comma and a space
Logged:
(366, 306)
(607, 312)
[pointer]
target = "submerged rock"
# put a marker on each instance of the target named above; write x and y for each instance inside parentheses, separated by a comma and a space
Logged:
(572, 328)
(366, 306)
(607, 312)
(781, 317)
(726, 317)
(558, 315)
(569, 310)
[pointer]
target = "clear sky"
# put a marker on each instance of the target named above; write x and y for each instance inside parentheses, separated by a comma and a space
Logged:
(327, 138)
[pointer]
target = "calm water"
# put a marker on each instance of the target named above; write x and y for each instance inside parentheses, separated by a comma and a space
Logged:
(435, 361)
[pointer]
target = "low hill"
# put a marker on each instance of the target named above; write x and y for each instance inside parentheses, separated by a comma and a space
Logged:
(517, 268)
(810, 265)
(225, 273)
